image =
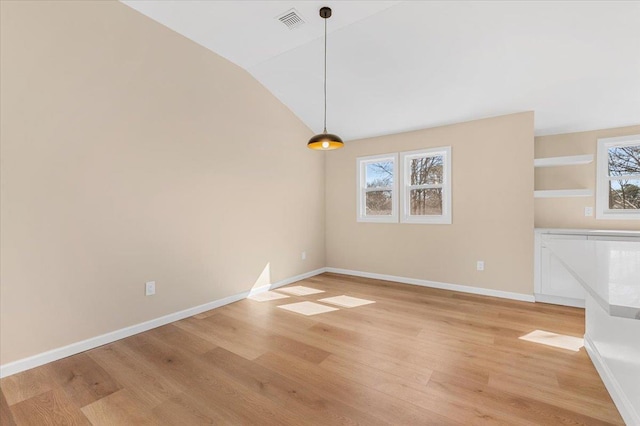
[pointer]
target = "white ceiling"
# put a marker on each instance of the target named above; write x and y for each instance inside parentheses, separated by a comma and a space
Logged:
(399, 66)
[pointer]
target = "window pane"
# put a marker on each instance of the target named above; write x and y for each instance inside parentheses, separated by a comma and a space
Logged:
(624, 194)
(426, 170)
(426, 202)
(624, 160)
(378, 203)
(379, 174)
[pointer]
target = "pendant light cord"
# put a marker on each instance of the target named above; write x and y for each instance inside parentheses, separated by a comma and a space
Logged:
(324, 141)
(325, 75)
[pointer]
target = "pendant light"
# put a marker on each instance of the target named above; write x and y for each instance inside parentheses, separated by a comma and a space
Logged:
(325, 141)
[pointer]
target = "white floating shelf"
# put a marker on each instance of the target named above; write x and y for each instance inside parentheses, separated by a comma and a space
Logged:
(558, 193)
(572, 160)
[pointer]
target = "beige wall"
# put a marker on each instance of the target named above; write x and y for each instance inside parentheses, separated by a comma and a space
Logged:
(131, 154)
(492, 209)
(569, 212)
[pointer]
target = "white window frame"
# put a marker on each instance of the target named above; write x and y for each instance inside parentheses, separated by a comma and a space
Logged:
(602, 184)
(362, 188)
(405, 159)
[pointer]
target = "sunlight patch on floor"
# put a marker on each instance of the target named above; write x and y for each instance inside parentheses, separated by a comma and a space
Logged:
(556, 340)
(346, 301)
(307, 308)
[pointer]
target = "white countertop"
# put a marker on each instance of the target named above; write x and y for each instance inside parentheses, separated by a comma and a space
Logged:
(589, 232)
(609, 271)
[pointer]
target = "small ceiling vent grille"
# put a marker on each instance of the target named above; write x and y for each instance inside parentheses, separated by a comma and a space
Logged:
(291, 18)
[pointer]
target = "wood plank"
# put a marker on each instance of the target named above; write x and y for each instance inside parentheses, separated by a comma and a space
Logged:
(221, 337)
(118, 408)
(187, 341)
(6, 418)
(576, 403)
(26, 384)
(50, 408)
(388, 409)
(367, 348)
(293, 395)
(514, 409)
(246, 331)
(374, 378)
(183, 410)
(84, 380)
(134, 373)
(234, 403)
(588, 385)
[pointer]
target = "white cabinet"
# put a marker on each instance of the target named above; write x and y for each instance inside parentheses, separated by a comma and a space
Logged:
(554, 283)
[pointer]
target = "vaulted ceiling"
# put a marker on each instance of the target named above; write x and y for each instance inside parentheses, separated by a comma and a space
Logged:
(398, 66)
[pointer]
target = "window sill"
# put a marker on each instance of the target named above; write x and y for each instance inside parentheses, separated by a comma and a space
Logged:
(433, 220)
(608, 215)
(388, 219)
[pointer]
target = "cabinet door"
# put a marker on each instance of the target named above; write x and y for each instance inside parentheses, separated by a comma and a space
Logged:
(555, 279)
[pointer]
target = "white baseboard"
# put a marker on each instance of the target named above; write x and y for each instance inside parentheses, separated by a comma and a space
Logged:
(434, 284)
(93, 342)
(624, 406)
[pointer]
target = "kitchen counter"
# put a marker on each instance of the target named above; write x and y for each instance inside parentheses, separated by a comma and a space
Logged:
(608, 270)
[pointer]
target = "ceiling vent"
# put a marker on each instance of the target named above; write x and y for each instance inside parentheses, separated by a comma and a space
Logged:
(291, 18)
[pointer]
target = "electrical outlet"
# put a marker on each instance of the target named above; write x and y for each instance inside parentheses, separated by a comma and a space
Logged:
(588, 211)
(304, 255)
(150, 288)
(480, 265)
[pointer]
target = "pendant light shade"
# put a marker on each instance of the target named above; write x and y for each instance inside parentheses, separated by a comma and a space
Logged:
(325, 141)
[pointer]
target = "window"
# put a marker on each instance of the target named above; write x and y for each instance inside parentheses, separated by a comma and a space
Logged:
(618, 186)
(425, 179)
(378, 188)
(426, 195)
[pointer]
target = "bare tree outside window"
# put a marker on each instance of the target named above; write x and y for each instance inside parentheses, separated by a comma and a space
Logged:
(426, 186)
(624, 173)
(377, 188)
(379, 175)
(426, 171)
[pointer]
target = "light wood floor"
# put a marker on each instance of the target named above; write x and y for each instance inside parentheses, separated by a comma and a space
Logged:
(416, 356)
